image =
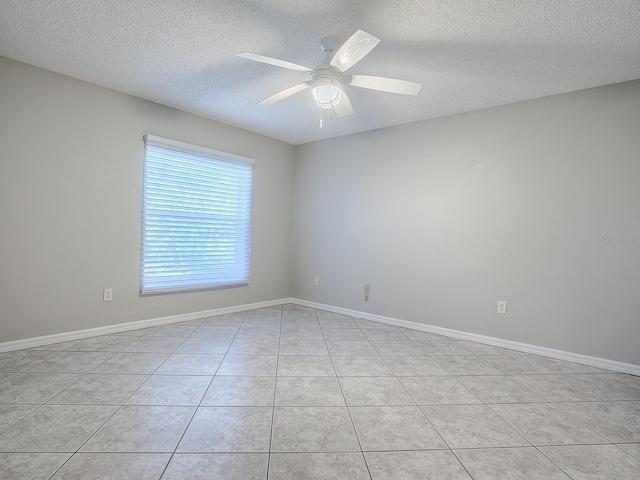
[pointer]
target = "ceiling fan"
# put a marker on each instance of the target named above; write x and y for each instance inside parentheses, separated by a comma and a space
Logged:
(328, 79)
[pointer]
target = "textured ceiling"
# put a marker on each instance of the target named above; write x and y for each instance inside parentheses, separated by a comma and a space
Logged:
(468, 54)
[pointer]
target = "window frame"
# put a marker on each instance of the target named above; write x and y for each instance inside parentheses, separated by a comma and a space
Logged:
(221, 159)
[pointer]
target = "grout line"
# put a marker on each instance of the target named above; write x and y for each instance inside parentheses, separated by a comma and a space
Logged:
(195, 411)
(355, 432)
(275, 389)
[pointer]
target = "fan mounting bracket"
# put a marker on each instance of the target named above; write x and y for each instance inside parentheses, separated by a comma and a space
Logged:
(329, 44)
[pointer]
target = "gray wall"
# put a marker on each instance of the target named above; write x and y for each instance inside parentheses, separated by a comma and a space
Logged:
(70, 204)
(444, 218)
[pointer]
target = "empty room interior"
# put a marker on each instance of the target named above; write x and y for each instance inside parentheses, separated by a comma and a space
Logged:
(287, 240)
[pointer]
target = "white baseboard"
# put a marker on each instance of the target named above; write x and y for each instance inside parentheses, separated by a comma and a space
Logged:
(497, 342)
(153, 322)
(123, 327)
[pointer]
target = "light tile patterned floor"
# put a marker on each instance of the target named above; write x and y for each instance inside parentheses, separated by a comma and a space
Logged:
(294, 393)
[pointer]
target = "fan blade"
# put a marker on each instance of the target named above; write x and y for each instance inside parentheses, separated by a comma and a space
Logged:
(275, 61)
(344, 107)
(284, 94)
(384, 84)
(354, 50)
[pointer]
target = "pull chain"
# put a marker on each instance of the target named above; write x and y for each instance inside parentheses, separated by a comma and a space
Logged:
(321, 117)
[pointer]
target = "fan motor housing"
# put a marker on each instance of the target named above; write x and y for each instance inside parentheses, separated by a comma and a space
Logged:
(327, 87)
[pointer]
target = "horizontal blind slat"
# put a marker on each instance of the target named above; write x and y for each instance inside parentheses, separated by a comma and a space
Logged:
(196, 220)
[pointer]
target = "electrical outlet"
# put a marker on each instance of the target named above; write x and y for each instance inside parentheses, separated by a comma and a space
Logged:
(107, 294)
(366, 289)
(316, 282)
(502, 308)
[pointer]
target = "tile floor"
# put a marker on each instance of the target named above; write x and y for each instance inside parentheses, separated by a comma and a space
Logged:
(294, 393)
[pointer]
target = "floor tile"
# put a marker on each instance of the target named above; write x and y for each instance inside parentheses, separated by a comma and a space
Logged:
(175, 331)
(343, 334)
(308, 391)
(55, 428)
(254, 346)
(61, 346)
(518, 364)
(466, 365)
(113, 466)
(544, 424)
(248, 365)
(11, 413)
(388, 349)
(135, 332)
(223, 466)
(617, 386)
(369, 325)
(23, 360)
(394, 428)
(228, 429)
(240, 391)
(613, 422)
(7, 376)
(250, 331)
(631, 406)
(100, 389)
(313, 429)
(425, 465)
(206, 346)
(196, 322)
(337, 323)
(594, 462)
(632, 449)
(472, 426)
(234, 316)
(302, 333)
(32, 466)
(215, 333)
(190, 364)
(107, 343)
(323, 314)
(305, 366)
(561, 366)
(413, 366)
(424, 336)
(482, 349)
(292, 346)
(351, 348)
(390, 335)
(154, 344)
(498, 389)
(438, 390)
(347, 366)
(317, 466)
(73, 362)
(141, 429)
(299, 319)
(374, 391)
(556, 388)
(171, 390)
(450, 348)
(35, 387)
(134, 363)
(509, 463)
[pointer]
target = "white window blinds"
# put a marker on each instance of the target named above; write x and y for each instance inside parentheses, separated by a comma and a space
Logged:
(196, 218)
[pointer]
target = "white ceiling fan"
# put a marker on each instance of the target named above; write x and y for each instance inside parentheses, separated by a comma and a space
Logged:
(328, 80)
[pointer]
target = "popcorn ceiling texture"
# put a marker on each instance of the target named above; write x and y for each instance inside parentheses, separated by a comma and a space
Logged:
(468, 54)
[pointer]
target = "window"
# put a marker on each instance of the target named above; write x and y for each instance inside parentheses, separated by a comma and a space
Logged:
(196, 218)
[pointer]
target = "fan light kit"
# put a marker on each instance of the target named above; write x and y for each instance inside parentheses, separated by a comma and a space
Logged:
(328, 80)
